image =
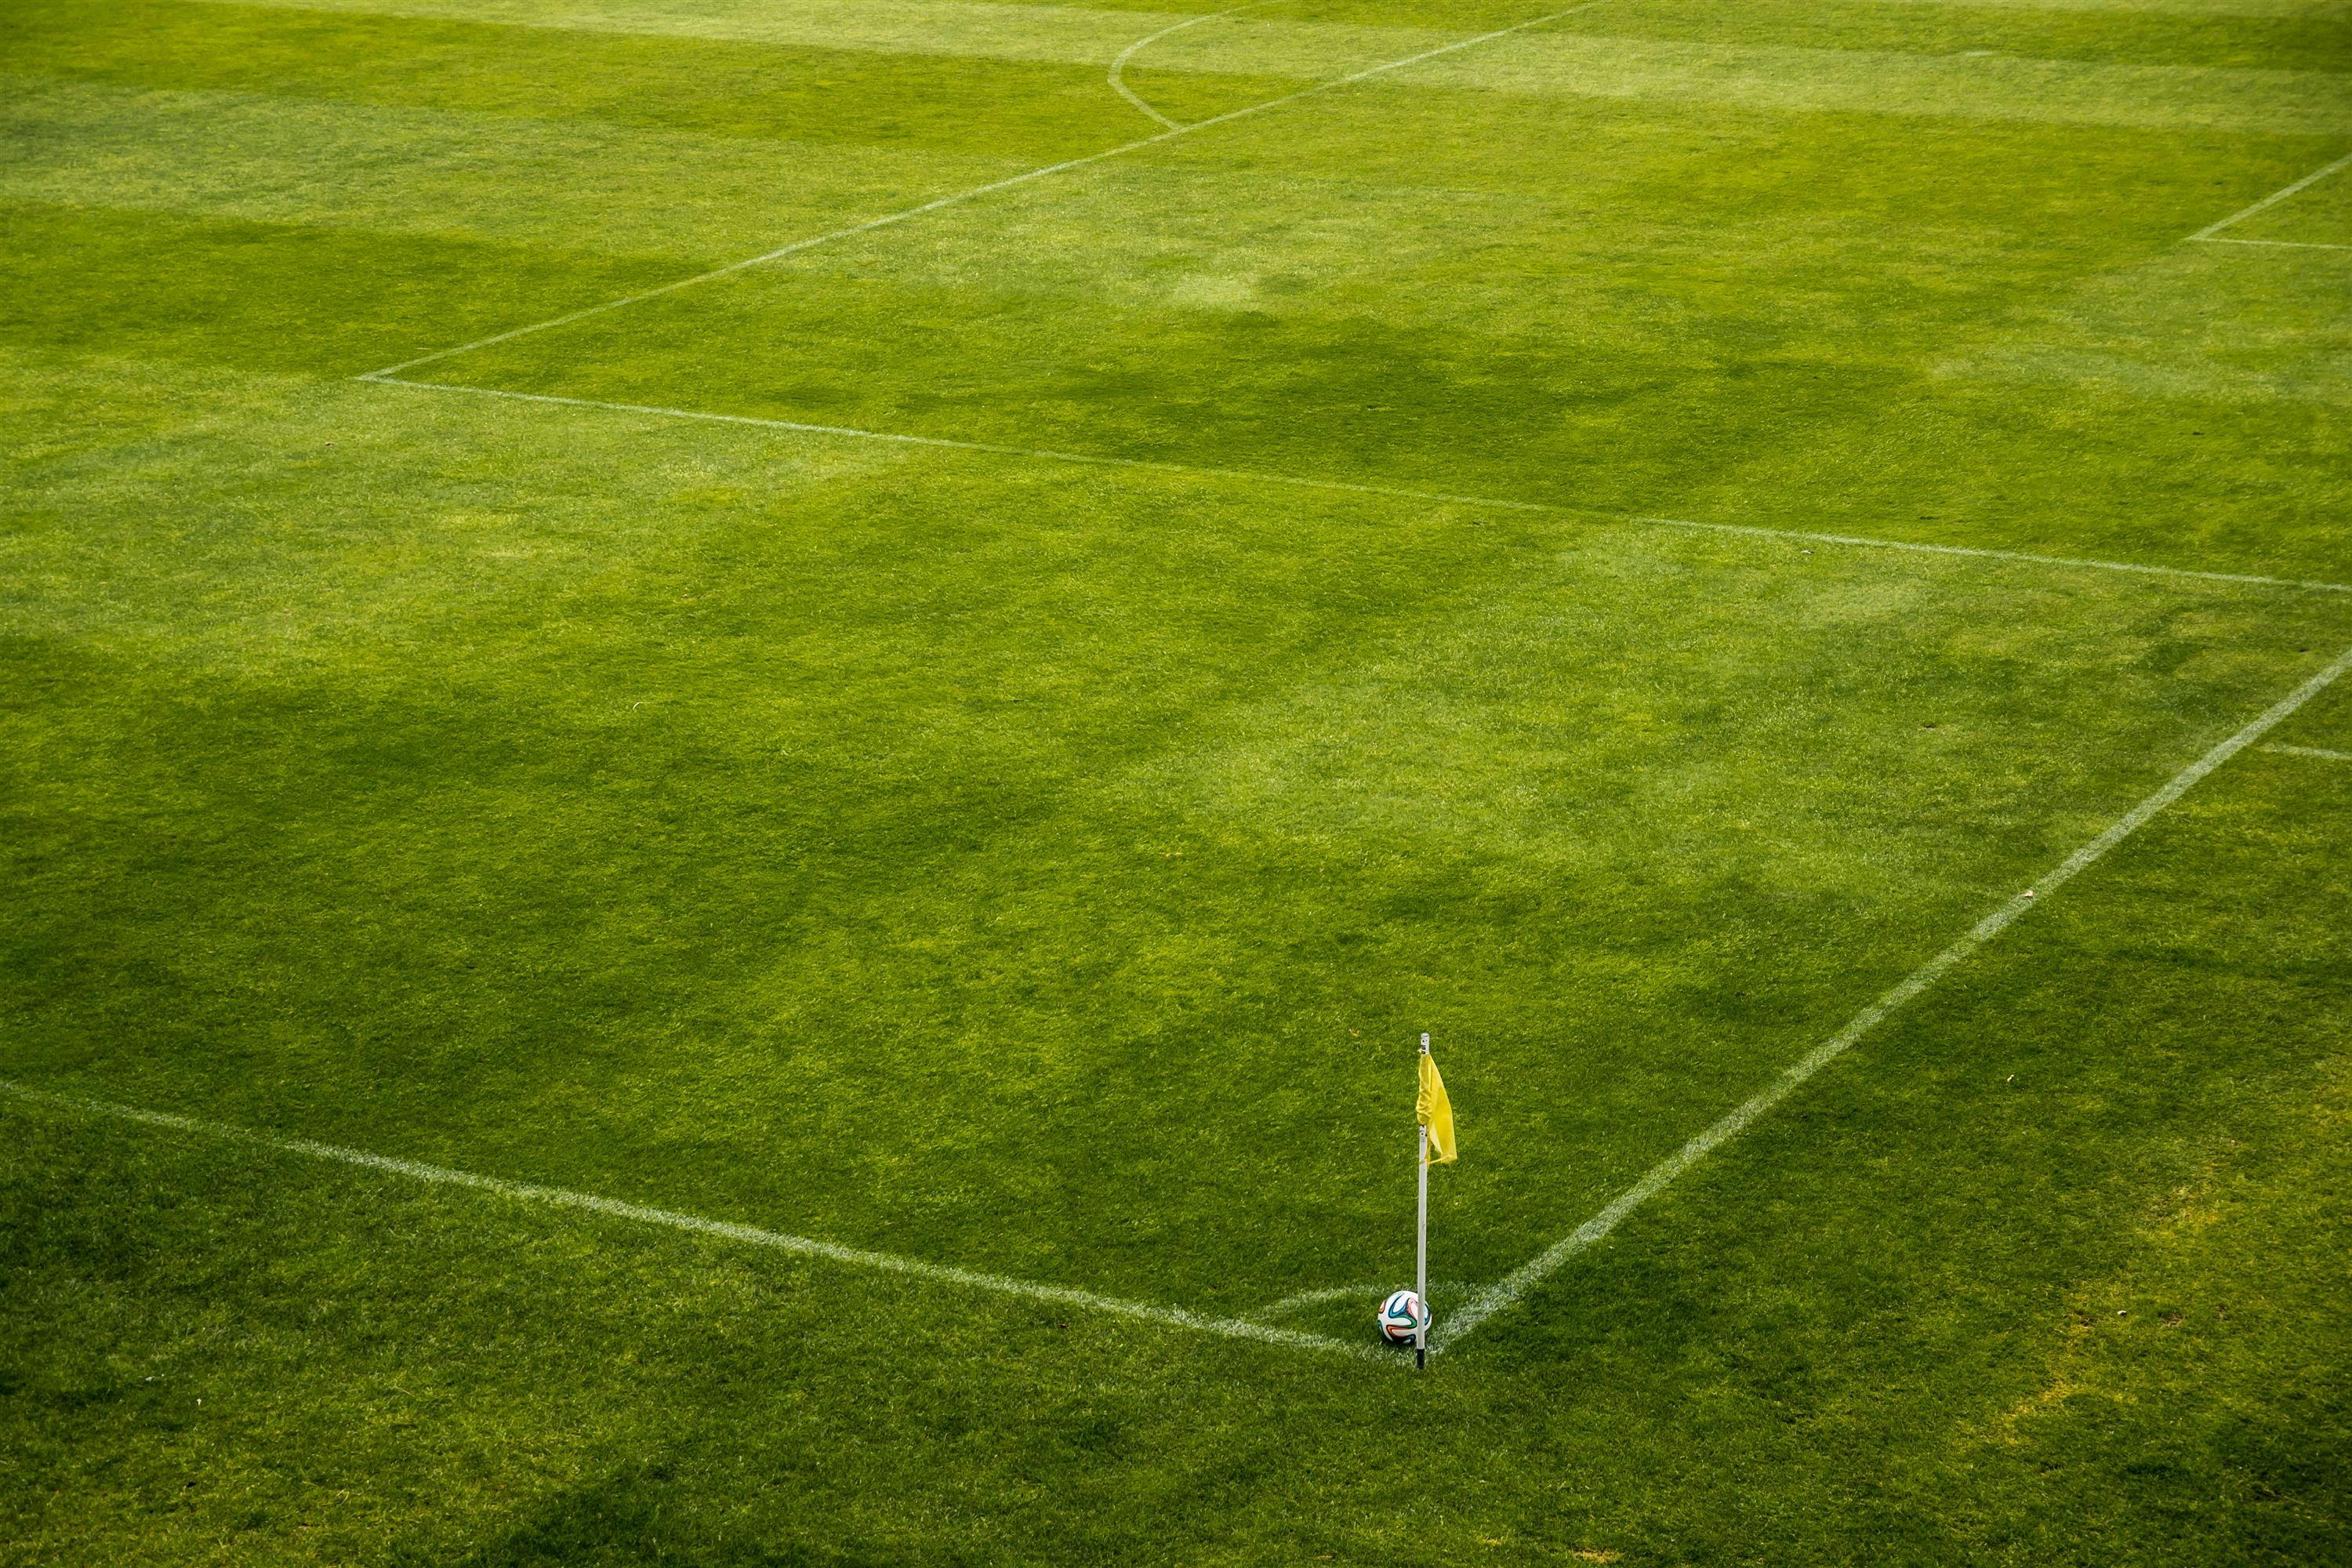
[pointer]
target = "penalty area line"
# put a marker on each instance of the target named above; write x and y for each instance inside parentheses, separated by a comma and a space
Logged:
(724, 1230)
(1509, 1290)
(1349, 487)
(1011, 182)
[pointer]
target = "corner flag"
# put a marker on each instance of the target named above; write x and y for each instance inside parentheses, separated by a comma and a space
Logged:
(1435, 1114)
(1434, 1111)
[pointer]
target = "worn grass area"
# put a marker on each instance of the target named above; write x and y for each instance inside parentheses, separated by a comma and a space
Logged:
(1033, 852)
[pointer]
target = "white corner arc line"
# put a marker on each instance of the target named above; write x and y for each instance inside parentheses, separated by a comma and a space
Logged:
(954, 198)
(1369, 1293)
(1507, 1291)
(2274, 244)
(751, 1235)
(2318, 753)
(1396, 492)
(1315, 1298)
(2210, 230)
(1119, 66)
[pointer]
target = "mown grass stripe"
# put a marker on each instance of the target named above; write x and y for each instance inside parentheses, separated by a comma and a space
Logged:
(1397, 492)
(1781, 78)
(475, 176)
(1272, 45)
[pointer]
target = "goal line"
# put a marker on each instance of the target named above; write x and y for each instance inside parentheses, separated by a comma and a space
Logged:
(725, 1230)
(956, 198)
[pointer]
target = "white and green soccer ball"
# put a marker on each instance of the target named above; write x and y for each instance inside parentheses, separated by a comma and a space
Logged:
(1402, 1317)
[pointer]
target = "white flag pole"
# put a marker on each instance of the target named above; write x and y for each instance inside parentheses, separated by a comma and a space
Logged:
(1421, 1248)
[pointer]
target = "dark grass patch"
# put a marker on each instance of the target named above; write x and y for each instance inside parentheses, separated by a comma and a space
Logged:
(277, 297)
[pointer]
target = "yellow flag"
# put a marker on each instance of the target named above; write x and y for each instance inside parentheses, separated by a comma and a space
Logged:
(1434, 1111)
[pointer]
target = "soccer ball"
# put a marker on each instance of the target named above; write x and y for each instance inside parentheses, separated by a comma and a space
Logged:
(1402, 1317)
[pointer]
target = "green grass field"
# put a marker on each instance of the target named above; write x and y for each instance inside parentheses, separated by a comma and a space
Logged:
(972, 746)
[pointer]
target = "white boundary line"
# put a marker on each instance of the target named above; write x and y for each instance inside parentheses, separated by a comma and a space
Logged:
(1119, 66)
(2210, 230)
(751, 1235)
(2078, 563)
(2280, 244)
(957, 197)
(1397, 492)
(2320, 752)
(1507, 1292)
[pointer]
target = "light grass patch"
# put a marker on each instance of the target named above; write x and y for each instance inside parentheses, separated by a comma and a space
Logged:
(2152, 7)
(1066, 34)
(2199, 322)
(2313, 40)
(1541, 62)
(2056, 93)
(492, 176)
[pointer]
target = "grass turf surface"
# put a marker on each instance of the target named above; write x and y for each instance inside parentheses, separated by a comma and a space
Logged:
(1041, 867)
